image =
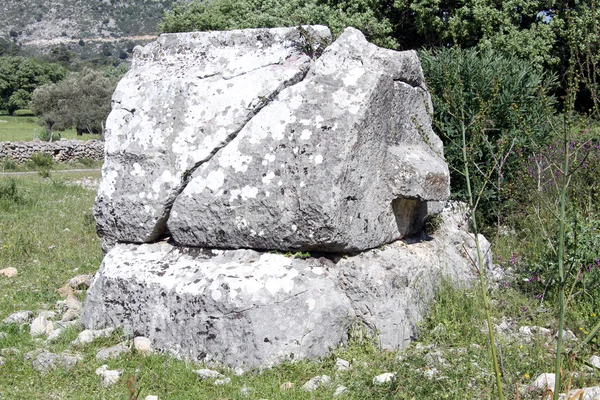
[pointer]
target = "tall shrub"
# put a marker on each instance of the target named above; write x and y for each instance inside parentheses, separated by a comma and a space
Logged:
(518, 106)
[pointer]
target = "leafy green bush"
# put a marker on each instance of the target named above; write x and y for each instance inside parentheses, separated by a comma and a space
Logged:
(49, 136)
(504, 104)
(40, 161)
(9, 192)
(8, 164)
(23, 113)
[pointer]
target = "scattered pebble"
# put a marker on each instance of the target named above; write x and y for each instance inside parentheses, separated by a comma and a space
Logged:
(340, 390)
(108, 377)
(59, 329)
(595, 361)
(207, 374)
(142, 345)
(286, 386)
(19, 317)
(112, 352)
(46, 361)
(41, 326)
(3, 335)
(384, 378)
(342, 365)
(81, 282)
(316, 382)
(9, 272)
(245, 391)
(222, 382)
(10, 351)
(545, 381)
(89, 335)
(151, 397)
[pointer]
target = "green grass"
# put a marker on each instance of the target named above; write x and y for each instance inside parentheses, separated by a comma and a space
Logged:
(48, 235)
(14, 128)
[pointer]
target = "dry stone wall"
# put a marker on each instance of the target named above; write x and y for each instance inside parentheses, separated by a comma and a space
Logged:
(62, 150)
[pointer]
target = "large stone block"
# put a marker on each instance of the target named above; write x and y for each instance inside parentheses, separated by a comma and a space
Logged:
(186, 96)
(246, 139)
(246, 308)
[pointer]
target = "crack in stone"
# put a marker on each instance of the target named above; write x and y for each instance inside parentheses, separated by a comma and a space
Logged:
(255, 306)
(162, 220)
(415, 84)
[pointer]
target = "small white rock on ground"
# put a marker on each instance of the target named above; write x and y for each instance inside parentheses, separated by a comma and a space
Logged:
(384, 378)
(19, 317)
(245, 391)
(108, 377)
(9, 272)
(142, 345)
(41, 326)
(59, 329)
(89, 335)
(111, 352)
(340, 390)
(316, 382)
(342, 365)
(222, 382)
(46, 361)
(544, 381)
(208, 374)
(595, 361)
(151, 397)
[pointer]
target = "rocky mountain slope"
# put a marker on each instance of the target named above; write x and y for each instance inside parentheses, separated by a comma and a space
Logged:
(39, 25)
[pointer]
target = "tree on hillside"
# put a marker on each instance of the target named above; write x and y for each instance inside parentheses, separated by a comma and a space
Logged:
(20, 76)
(8, 48)
(81, 101)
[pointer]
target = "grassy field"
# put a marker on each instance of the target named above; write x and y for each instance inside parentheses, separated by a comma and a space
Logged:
(47, 233)
(26, 128)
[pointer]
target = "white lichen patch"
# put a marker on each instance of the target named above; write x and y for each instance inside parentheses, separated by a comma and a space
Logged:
(241, 222)
(269, 158)
(232, 158)
(244, 279)
(305, 135)
(247, 192)
(166, 178)
(268, 177)
(345, 101)
(108, 184)
(183, 140)
(137, 170)
(353, 75)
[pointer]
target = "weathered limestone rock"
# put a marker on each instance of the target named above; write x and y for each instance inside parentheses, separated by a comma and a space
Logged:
(248, 308)
(186, 96)
(334, 163)
(238, 307)
(244, 139)
(233, 143)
